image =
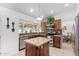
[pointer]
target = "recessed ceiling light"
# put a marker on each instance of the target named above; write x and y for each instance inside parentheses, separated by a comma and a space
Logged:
(31, 10)
(66, 5)
(52, 12)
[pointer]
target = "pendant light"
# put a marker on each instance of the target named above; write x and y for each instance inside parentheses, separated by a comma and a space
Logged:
(39, 18)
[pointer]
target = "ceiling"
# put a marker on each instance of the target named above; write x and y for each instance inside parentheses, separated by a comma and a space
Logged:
(40, 9)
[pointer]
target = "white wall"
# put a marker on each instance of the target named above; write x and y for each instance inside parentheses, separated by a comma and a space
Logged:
(66, 16)
(69, 26)
(10, 40)
(77, 9)
(0, 35)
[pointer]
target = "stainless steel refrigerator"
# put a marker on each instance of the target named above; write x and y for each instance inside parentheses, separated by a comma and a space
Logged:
(76, 41)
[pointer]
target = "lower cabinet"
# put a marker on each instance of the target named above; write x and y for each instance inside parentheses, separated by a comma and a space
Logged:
(57, 41)
(32, 50)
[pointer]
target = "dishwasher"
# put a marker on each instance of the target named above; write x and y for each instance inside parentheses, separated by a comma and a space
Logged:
(21, 42)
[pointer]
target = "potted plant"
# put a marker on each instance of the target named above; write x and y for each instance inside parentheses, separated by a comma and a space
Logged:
(50, 19)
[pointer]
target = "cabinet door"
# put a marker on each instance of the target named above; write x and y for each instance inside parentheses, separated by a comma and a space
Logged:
(43, 26)
(44, 50)
(30, 50)
(57, 42)
(57, 24)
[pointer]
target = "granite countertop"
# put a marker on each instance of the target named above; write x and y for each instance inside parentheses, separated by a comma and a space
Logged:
(38, 41)
(58, 35)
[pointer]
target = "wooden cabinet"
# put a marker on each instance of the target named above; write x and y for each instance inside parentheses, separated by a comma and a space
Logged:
(43, 26)
(57, 41)
(31, 50)
(37, 47)
(57, 24)
(57, 36)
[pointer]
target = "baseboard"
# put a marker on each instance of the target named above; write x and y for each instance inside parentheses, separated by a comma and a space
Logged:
(21, 49)
(10, 53)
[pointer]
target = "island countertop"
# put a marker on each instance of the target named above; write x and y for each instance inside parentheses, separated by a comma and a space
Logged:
(38, 41)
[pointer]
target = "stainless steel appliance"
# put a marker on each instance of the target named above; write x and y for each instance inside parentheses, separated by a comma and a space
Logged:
(76, 42)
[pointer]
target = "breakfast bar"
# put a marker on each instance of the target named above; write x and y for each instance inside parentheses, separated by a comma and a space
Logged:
(38, 46)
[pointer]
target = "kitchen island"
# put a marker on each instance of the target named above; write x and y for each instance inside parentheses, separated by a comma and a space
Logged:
(38, 46)
(23, 37)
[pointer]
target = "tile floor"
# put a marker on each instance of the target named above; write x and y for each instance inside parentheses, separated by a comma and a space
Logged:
(66, 50)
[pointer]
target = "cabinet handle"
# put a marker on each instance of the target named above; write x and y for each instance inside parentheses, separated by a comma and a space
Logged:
(13, 29)
(8, 23)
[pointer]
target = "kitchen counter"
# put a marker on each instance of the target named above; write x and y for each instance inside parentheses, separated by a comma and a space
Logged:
(38, 46)
(29, 36)
(38, 41)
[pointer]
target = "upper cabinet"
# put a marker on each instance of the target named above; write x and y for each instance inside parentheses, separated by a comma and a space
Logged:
(43, 26)
(57, 24)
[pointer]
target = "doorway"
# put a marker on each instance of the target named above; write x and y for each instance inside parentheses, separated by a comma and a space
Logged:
(68, 35)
